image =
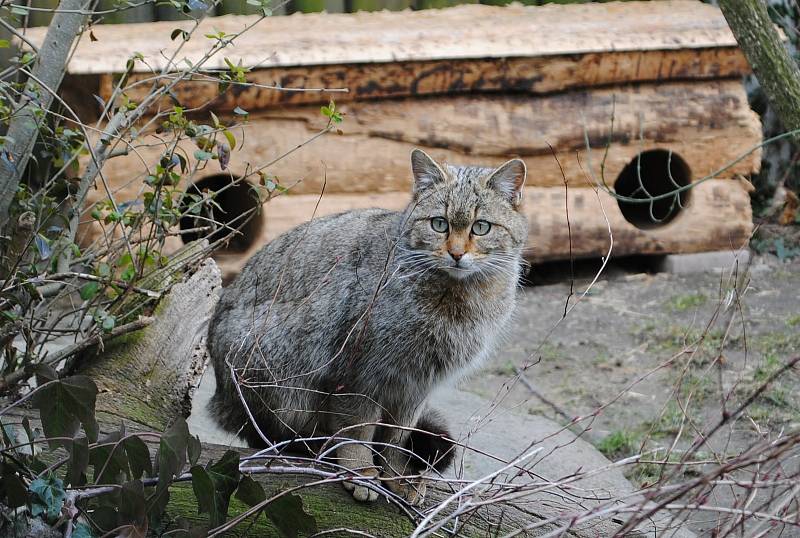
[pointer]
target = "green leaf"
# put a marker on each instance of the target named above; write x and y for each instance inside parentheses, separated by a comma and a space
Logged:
(128, 274)
(133, 509)
(109, 459)
(203, 488)
(108, 323)
(201, 155)
(214, 485)
(231, 139)
(178, 32)
(138, 457)
(103, 270)
(78, 461)
(171, 458)
(239, 111)
(48, 497)
(172, 452)
(12, 488)
(193, 449)
(4, 43)
(250, 492)
(66, 404)
(89, 290)
(287, 514)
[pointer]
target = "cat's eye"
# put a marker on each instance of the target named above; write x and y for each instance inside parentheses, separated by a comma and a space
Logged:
(481, 227)
(439, 224)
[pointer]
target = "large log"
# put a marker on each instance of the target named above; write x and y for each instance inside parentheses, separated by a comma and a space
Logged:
(463, 49)
(718, 217)
(708, 125)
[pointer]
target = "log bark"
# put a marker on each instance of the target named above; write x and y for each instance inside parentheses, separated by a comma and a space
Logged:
(708, 125)
(776, 70)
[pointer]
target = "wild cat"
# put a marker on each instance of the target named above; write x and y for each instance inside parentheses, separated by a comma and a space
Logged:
(345, 324)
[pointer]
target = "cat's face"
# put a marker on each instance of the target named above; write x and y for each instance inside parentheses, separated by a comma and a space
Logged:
(464, 221)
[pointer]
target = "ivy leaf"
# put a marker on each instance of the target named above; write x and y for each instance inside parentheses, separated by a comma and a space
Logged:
(138, 457)
(12, 488)
(89, 290)
(214, 485)
(133, 509)
(171, 458)
(250, 492)
(193, 449)
(48, 497)
(78, 461)
(66, 404)
(287, 514)
(172, 452)
(109, 459)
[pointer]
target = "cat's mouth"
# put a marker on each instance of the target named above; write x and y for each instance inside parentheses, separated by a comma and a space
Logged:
(459, 271)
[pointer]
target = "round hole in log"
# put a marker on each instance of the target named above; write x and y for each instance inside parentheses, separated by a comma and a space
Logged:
(649, 176)
(234, 211)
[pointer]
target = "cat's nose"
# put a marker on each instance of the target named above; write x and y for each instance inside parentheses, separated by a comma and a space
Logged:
(456, 254)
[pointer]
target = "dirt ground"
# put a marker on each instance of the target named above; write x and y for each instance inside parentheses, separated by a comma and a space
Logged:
(650, 359)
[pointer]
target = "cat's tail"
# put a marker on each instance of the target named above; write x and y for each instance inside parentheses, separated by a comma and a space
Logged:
(431, 443)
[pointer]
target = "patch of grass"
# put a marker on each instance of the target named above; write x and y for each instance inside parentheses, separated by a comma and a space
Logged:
(777, 342)
(699, 386)
(550, 351)
(648, 473)
(682, 303)
(507, 369)
(669, 422)
(793, 321)
(674, 338)
(768, 366)
(619, 444)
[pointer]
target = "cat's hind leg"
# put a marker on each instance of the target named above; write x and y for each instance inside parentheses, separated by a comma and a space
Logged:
(415, 452)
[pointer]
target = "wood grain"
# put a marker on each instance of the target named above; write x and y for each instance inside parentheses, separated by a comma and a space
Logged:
(462, 32)
(533, 75)
(469, 48)
(708, 125)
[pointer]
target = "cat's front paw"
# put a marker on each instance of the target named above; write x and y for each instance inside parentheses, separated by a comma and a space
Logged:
(411, 490)
(359, 492)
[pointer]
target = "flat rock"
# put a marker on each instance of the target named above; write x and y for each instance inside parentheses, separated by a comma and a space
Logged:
(493, 436)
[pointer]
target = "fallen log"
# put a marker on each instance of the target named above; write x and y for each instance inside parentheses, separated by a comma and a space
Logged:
(708, 126)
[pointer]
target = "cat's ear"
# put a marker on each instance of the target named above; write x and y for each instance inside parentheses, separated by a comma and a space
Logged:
(508, 181)
(426, 171)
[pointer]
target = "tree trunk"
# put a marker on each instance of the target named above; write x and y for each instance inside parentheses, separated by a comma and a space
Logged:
(773, 66)
(48, 71)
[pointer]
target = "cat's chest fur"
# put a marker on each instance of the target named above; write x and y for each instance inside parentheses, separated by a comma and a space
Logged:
(445, 333)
